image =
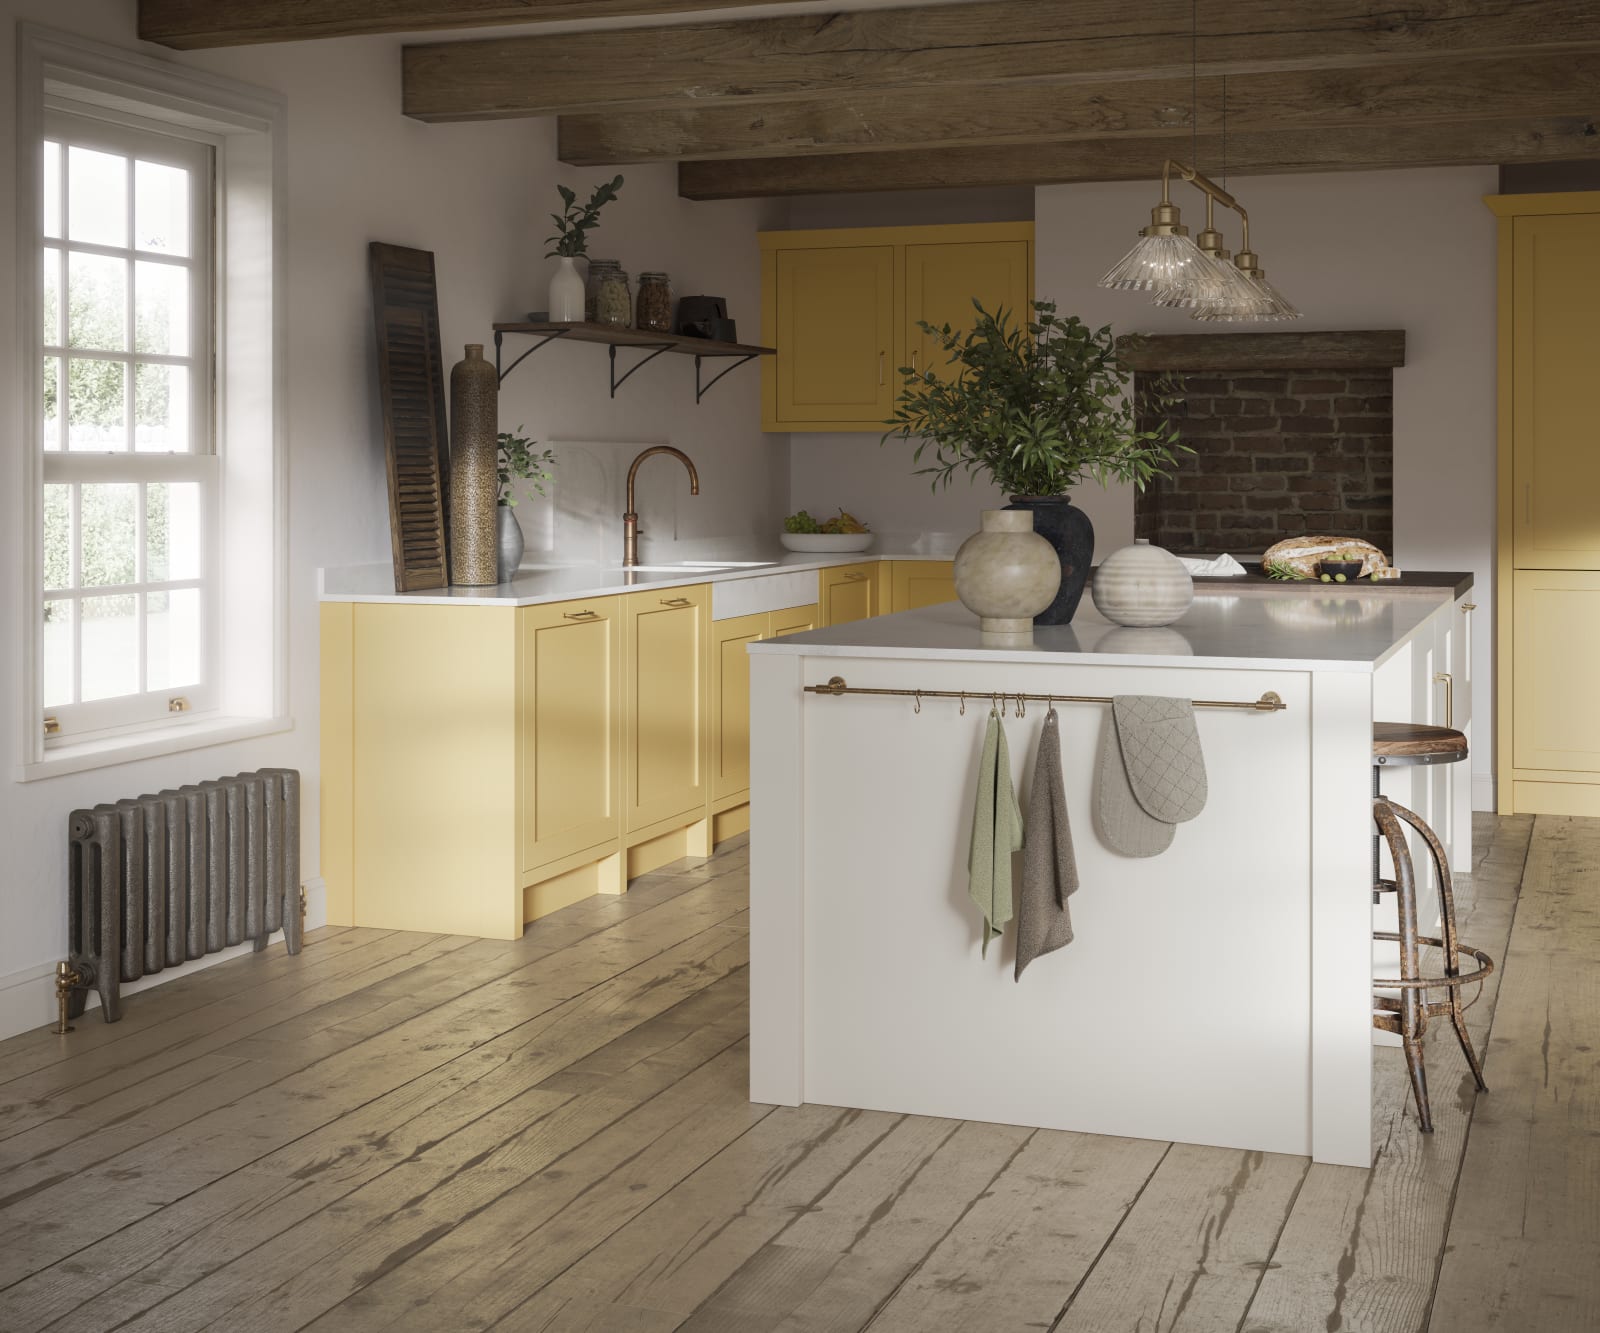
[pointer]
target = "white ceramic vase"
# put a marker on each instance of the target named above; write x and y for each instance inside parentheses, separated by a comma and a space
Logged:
(1006, 573)
(566, 293)
(1142, 585)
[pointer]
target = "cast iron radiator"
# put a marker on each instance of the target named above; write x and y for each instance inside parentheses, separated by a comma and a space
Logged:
(158, 880)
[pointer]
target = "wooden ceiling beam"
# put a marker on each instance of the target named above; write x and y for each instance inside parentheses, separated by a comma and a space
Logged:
(945, 46)
(1397, 94)
(1261, 153)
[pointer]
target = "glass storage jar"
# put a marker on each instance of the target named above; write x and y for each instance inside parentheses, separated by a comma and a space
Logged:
(614, 301)
(654, 308)
(591, 293)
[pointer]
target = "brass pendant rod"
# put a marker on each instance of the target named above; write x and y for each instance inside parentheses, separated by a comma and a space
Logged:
(1269, 702)
(1211, 189)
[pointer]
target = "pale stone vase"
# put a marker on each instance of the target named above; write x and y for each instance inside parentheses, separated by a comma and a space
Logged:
(508, 544)
(474, 469)
(566, 293)
(1006, 573)
(1142, 585)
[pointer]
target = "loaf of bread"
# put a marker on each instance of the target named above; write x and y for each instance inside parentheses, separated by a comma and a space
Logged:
(1299, 556)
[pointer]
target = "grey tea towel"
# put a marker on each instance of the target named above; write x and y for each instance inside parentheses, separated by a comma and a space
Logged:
(1152, 774)
(1049, 868)
(996, 833)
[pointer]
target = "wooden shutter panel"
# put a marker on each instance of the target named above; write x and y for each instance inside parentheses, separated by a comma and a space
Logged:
(411, 379)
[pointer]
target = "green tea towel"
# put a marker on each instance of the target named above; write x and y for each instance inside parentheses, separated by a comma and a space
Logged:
(996, 833)
(1049, 867)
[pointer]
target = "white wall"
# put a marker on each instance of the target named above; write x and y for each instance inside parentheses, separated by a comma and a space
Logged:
(476, 195)
(1412, 250)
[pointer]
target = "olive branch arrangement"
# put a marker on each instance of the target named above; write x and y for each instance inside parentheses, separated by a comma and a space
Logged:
(574, 224)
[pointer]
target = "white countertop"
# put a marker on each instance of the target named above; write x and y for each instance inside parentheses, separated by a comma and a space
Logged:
(536, 584)
(1293, 631)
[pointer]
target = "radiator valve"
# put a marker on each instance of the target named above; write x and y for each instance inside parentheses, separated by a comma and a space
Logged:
(68, 979)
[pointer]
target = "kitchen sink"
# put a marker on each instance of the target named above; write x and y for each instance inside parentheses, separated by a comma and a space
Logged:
(699, 566)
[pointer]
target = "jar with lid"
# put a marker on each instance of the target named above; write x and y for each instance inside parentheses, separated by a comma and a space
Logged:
(654, 309)
(591, 294)
(614, 300)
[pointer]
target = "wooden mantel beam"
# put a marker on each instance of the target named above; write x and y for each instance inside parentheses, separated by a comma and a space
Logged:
(1398, 95)
(1263, 153)
(992, 42)
(191, 25)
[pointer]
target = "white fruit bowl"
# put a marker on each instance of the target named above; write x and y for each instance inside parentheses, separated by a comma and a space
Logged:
(825, 542)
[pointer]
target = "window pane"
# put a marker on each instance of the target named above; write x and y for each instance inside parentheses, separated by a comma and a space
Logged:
(52, 402)
(57, 654)
(174, 639)
(52, 188)
(97, 410)
(161, 208)
(97, 302)
(108, 532)
(110, 646)
(172, 531)
(161, 309)
(52, 297)
(161, 409)
(57, 536)
(97, 197)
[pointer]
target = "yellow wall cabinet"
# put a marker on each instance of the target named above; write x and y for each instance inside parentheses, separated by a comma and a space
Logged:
(842, 308)
(914, 584)
(849, 592)
(1548, 751)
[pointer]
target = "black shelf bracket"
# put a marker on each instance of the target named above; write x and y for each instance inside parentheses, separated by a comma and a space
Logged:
(637, 365)
(701, 390)
(499, 338)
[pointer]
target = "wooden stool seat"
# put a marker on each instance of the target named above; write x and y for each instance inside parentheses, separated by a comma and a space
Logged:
(1395, 743)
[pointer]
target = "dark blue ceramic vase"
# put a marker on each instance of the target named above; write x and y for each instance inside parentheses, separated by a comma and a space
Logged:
(1067, 528)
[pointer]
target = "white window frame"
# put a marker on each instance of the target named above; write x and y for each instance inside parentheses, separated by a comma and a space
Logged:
(247, 555)
(67, 124)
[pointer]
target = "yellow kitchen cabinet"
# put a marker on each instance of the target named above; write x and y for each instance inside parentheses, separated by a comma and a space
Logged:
(942, 279)
(849, 592)
(1548, 723)
(842, 308)
(730, 693)
(570, 728)
(667, 660)
(834, 320)
(793, 620)
(917, 583)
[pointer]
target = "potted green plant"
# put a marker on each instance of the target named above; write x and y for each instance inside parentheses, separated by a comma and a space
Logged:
(518, 461)
(571, 239)
(1037, 407)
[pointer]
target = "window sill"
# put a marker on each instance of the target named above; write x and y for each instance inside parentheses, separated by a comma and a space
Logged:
(105, 753)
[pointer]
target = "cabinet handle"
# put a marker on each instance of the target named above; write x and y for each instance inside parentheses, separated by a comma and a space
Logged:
(677, 601)
(580, 615)
(857, 577)
(1527, 499)
(880, 367)
(1468, 607)
(913, 363)
(1448, 681)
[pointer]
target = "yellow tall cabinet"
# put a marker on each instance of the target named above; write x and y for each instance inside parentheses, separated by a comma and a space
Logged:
(842, 308)
(1549, 521)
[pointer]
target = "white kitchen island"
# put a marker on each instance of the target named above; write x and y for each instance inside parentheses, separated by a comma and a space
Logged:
(1219, 993)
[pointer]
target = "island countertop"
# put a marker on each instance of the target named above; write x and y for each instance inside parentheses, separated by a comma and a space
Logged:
(1295, 629)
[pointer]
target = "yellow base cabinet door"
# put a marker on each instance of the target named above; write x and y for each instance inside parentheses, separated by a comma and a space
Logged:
(570, 728)
(667, 653)
(847, 593)
(833, 322)
(793, 620)
(1556, 644)
(943, 279)
(730, 701)
(914, 584)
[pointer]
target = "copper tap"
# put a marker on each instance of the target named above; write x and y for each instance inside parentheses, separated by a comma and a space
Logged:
(630, 520)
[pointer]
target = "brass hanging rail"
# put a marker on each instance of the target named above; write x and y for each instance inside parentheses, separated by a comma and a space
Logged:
(1267, 703)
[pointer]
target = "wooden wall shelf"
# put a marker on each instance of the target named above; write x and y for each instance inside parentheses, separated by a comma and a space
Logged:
(654, 344)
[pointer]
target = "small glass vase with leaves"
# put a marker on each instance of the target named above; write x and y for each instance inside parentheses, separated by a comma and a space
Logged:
(1037, 407)
(520, 461)
(571, 239)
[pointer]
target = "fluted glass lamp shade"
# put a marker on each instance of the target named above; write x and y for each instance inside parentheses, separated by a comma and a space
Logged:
(1261, 302)
(1219, 285)
(1163, 263)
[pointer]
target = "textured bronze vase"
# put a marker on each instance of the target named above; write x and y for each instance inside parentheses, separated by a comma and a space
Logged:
(474, 469)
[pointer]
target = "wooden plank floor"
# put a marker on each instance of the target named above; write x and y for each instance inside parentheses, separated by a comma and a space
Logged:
(402, 1131)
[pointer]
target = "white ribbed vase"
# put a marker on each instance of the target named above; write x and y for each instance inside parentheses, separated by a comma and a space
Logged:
(1007, 573)
(1142, 585)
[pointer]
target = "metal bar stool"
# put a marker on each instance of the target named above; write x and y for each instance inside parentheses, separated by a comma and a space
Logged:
(1396, 744)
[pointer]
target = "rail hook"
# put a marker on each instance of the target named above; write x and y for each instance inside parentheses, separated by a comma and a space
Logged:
(1022, 705)
(917, 707)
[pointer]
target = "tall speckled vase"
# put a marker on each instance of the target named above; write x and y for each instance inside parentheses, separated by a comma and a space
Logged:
(474, 469)
(1006, 573)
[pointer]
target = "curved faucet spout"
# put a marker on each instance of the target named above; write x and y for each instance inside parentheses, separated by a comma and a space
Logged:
(630, 520)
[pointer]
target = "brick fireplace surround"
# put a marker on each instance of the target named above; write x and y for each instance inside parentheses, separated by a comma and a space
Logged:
(1293, 433)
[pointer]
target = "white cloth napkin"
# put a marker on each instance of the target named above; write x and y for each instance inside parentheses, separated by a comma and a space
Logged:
(1222, 566)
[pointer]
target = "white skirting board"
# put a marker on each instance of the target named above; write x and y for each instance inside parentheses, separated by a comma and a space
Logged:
(28, 997)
